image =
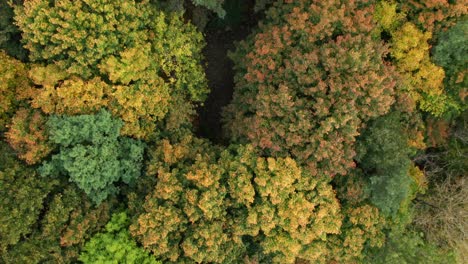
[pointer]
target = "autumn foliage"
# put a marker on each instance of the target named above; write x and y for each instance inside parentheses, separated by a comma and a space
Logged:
(123, 55)
(307, 80)
(205, 202)
(344, 141)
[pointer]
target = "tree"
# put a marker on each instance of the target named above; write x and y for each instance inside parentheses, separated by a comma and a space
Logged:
(185, 215)
(143, 63)
(305, 82)
(13, 79)
(383, 154)
(408, 247)
(448, 54)
(206, 203)
(363, 228)
(23, 195)
(92, 153)
(10, 35)
(66, 222)
(284, 210)
(27, 135)
(422, 78)
(410, 52)
(215, 5)
(440, 212)
(114, 245)
(434, 15)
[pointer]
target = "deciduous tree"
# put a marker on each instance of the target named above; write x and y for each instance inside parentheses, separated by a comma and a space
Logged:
(206, 202)
(307, 79)
(92, 153)
(115, 245)
(124, 55)
(27, 135)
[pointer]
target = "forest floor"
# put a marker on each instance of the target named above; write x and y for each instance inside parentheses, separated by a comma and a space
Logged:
(221, 36)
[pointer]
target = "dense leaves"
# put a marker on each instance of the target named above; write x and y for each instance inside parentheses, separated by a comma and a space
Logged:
(306, 80)
(123, 55)
(92, 153)
(13, 79)
(61, 231)
(423, 79)
(448, 53)
(409, 247)
(383, 153)
(115, 245)
(289, 212)
(206, 202)
(345, 138)
(9, 33)
(185, 216)
(27, 135)
(22, 193)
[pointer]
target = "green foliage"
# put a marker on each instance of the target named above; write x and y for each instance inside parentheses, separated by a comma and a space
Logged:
(408, 248)
(383, 153)
(23, 194)
(215, 5)
(145, 62)
(9, 33)
(450, 53)
(306, 80)
(115, 245)
(92, 154)
(66, 222)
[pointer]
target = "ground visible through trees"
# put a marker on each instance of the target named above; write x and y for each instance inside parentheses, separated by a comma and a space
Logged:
(220, 36)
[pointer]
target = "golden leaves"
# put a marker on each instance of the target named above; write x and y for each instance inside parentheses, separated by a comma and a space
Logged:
(27, 135)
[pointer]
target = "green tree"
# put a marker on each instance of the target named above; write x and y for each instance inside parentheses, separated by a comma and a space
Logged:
(115, 245)
(214, 5)
(383, 153)
(10, 35)
(449, 53)
(306, 80)
(67, 221)
(408, 248)
(23, 195)
(92, 153)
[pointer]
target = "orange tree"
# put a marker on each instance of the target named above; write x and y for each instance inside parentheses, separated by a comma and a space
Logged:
(307, 79)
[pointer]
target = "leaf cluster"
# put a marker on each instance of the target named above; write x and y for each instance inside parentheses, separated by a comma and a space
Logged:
(306, 80)
(92, 153)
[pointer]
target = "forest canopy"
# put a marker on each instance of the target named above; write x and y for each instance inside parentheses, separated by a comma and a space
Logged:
(228, 131)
